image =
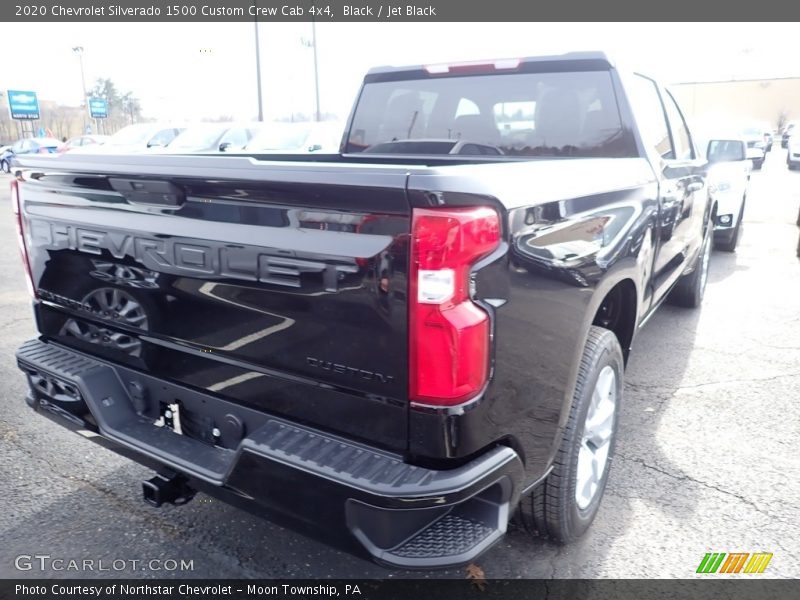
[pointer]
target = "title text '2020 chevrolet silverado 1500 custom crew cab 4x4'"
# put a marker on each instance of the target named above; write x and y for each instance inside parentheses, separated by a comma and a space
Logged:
(402, 343)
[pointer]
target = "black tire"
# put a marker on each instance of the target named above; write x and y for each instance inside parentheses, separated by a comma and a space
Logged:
(551, 509)
(730, 244)
(690, 289)
(4, 166)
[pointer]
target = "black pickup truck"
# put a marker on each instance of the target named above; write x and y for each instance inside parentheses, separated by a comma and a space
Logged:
(401, 345)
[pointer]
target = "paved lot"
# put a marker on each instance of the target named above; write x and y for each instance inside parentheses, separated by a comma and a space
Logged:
(707, 458)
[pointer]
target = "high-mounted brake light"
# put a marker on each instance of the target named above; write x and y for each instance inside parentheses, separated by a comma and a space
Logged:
(26, 263)
(467, 68)
(448, 333)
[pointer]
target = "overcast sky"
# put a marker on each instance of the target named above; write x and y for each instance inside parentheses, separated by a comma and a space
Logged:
(190, 71)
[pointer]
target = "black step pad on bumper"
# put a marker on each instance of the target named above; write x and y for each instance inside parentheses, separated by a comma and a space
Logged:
(111, 407)
(449, 536)
(404, 515)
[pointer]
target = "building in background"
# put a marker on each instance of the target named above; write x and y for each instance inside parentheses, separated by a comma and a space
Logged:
(774, 101)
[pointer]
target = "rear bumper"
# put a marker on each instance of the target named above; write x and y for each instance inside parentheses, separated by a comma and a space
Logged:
(725, 225)
(724, 235)
(400, 514)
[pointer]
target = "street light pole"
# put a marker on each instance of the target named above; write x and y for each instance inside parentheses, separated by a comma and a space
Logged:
(79, 51)
(316, 71)
(313, 45)
(258, 69)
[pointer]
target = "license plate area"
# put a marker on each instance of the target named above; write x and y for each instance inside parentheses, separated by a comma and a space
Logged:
(196, 425)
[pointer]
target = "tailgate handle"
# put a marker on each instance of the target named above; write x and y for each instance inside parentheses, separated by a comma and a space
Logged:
(148, 191)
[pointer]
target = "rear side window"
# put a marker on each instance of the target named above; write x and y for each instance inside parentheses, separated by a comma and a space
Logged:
(511, 114)
(651, 117)
(680, 133)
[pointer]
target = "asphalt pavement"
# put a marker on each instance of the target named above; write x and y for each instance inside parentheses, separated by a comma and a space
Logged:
(707, 458)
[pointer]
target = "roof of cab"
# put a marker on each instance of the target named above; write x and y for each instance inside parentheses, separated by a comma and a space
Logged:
(593, 60)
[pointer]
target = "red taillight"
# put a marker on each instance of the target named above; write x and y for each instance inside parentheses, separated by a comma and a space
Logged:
(448, 333)
(15, 205)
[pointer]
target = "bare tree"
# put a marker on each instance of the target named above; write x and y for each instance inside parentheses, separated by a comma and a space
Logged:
(131, 107)
(219, 119)
(123, 108)
(8, 130)
(783, 118)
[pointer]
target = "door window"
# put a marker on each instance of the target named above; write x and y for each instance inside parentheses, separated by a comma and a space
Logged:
(680, 133)
(652, 119)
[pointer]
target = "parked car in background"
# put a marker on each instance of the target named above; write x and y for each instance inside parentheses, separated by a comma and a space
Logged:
(793, 154)
(766, 133)
(134, 139)
(728, 179)
(787, 133)
(768, 137)
(756, 144)
(43, 145)
(82, 141)
(322, 137)
(213, 137)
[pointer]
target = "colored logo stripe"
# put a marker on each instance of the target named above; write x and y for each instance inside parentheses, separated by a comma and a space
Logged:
(734, 562)
(758, 562)
(711, 562)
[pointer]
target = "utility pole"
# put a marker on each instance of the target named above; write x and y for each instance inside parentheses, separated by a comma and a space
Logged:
(258, 70)
(316, 70)
(313, 45)
(79, 51)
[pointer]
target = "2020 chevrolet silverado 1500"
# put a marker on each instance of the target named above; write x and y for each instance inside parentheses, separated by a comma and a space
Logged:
(401, 344)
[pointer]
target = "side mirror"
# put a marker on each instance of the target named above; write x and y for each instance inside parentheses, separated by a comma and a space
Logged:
(315, 148)
(155, 144)
(695, 186)
(223, 147)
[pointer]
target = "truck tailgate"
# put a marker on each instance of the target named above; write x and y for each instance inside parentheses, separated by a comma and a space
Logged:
(276, 286)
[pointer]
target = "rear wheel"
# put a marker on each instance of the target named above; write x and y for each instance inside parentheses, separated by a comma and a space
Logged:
(690, 289)
(4, 166)
(563, 507)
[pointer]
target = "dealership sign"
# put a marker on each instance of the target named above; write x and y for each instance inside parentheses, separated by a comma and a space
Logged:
(22, 105)
(98, 108)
